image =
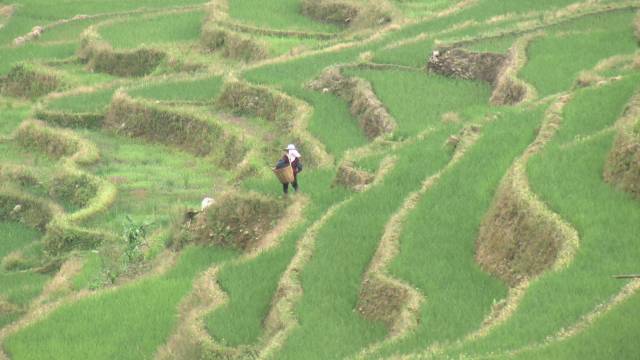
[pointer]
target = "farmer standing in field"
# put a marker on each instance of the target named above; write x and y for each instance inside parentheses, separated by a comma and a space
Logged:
(292, 156)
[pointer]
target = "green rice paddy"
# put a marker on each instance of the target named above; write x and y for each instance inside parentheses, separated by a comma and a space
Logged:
(114, 305)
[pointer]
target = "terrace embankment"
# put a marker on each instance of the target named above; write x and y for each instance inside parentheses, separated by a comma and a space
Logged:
(622, 168)
(62, 231)
(289, 114)
(190, 132)
(349, 13)
(508, 88)
(373, 117)
(232, 44)
(519, 237)
(349, 176)
(467, 65)
(235, 220)
(28, 81)
(16, 206)
(100, 56)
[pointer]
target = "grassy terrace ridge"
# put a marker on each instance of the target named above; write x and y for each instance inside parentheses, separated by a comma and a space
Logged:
(118, 118)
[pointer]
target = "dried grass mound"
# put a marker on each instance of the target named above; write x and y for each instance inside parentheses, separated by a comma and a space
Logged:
(35, 135)
(17, 174)
(623, 163)
(25, 209)
(468, 65)
(101, 57)
(28, 82)
(236, 220)
(74, 189)
(232, 45)
(509, 92)
(373, 117)
(515, 242)
(352, 178)
(244, 99)
(154, 123)
(379, 301)
(348, 13)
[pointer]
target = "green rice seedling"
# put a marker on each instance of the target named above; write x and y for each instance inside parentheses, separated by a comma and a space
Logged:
(550, 70)
(343, 248)
(276, 14)
(498, 44)
(32, 12)
(251, 286)
(15, 236)
(148, 173)
(91, 102)
(289, 45)
(596, 109)
(16, 288)
(421, 8)
(11, 116)
(569, 180)
(610, 337)
(161, 29)
(437, 242)
(199, 90)
(128, 323)
(80, 76)
(32, 52)
(430, 96)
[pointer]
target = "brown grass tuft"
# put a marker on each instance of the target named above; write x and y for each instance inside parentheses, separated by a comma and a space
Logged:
(381, 301)
(623, 163)
(515, 243)
(233, 45)
(352, 178)
(509, 89)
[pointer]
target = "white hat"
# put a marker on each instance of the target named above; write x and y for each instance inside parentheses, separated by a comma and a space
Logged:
(291, 147)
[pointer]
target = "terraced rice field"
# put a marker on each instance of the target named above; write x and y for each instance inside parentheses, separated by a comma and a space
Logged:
(471, 183)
